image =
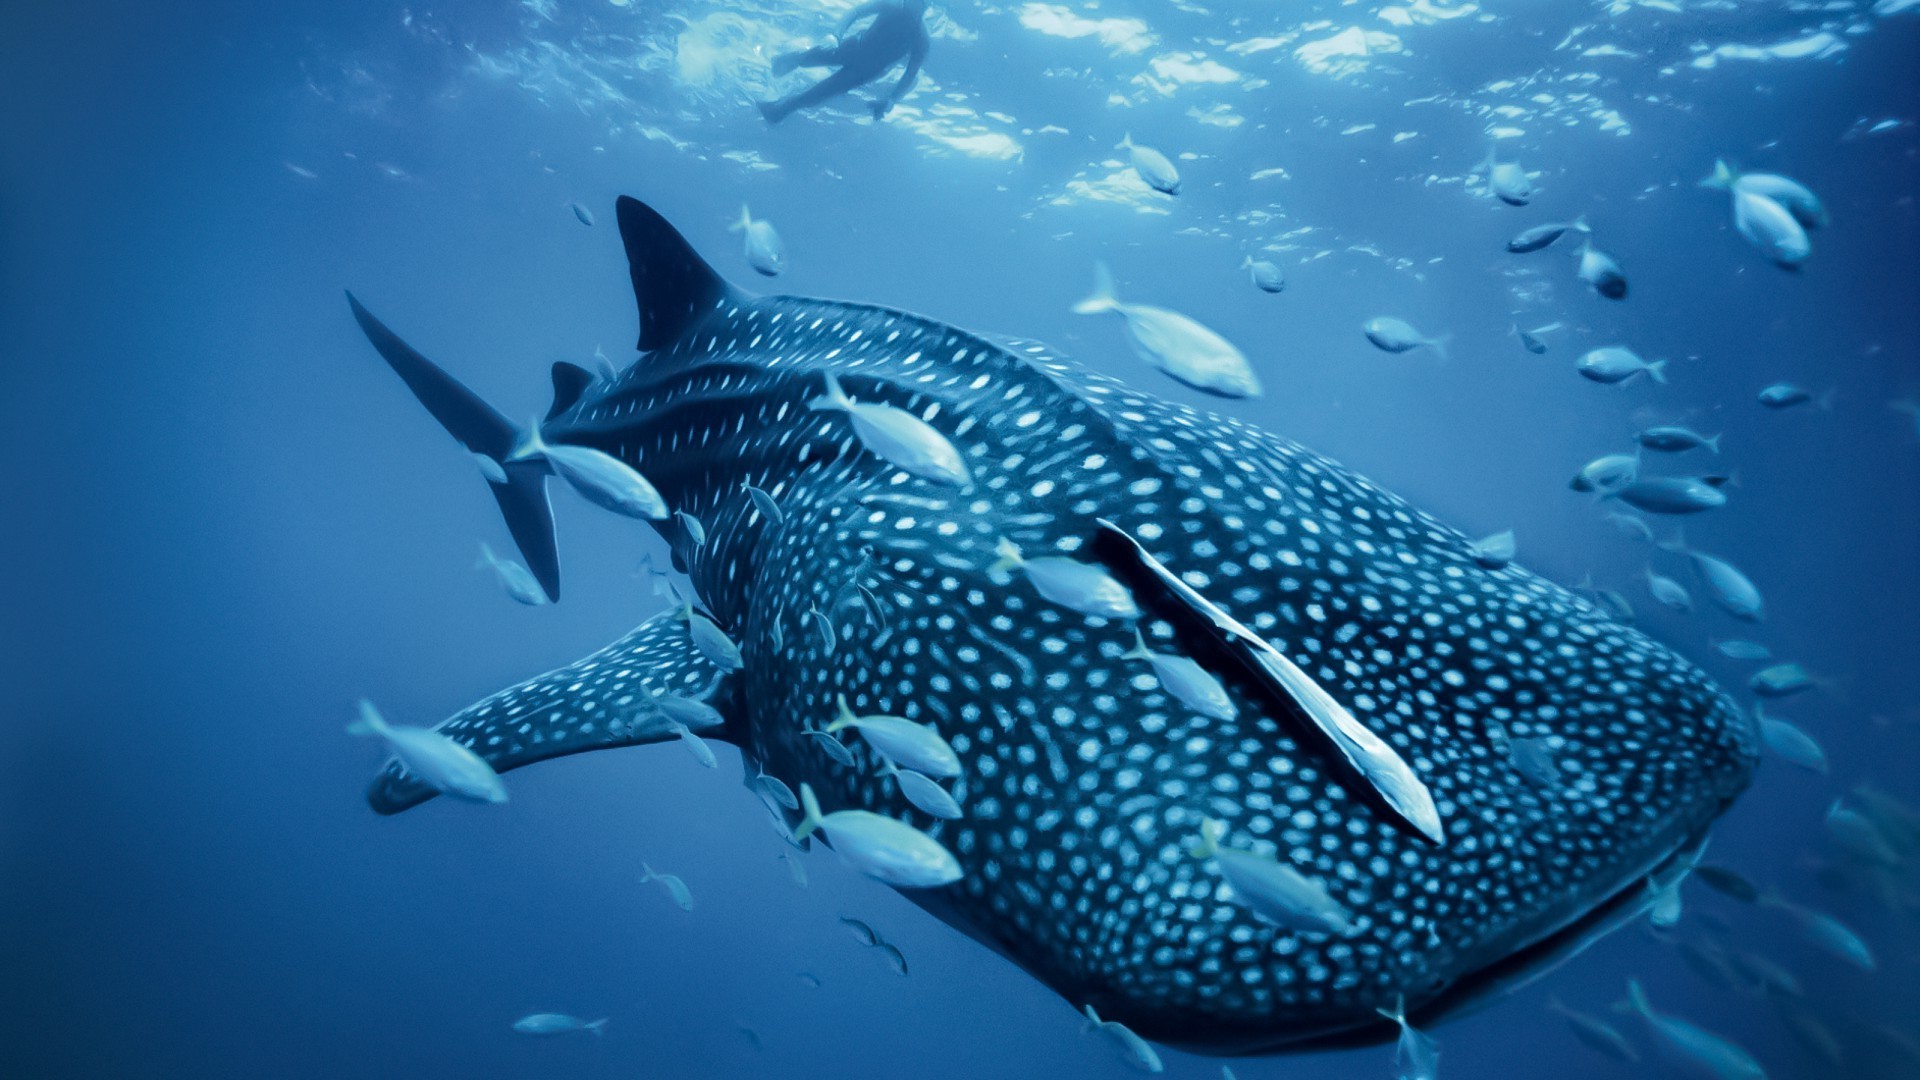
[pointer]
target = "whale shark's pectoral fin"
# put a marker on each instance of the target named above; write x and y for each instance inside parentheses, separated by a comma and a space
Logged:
(603, 701)
(1383, 773)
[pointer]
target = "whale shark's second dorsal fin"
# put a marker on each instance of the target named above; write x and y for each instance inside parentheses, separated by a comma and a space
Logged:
(570, 381)
(672, 285)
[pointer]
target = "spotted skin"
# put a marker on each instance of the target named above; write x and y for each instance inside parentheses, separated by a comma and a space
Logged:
(1083, 782)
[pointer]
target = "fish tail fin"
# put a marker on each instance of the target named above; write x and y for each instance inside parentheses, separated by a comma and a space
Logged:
(1126, 142)
(745, 222)
(1636, 1001)
(1721, 178)
(482, 430)
(598, 1027)
(1211, 830)
(810, 813)
(1093, 1020)
(1102, 298)
(1657, 371)
(834, 398)
(370, 722)
(1006, 557)
(1139, 650)
(1580, 225)
(1678, 544)
(1713, 444)
(647, 874)
(1825, 401)
(1439, 345)
(487, 557)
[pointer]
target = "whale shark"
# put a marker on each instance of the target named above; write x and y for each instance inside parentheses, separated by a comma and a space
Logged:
(1382, 680)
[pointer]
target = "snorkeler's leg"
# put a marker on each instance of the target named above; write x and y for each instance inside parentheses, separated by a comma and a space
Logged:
(825, 90)
(818, 56)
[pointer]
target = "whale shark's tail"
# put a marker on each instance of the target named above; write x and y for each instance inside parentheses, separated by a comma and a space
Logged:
(522, 493)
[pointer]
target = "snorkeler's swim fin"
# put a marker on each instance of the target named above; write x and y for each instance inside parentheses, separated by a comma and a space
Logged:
(482, 429)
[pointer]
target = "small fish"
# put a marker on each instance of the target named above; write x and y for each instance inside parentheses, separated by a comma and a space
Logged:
(1671, 495)
(1194, 686)
(876, 616)
(833, 748)
(1791, 743)
(603, 479)
(1727, 882)
(514, 578)
(1785, 395)
(1134, 1050)
(713, 642)
(1763, 974)
(896, 435)
(300, 171)
(696, 532)
(1617, 363)
(925, 793)
(825, 626)
(795, 868)
(904, 742)
(1532, 758)
(581, 213)
(1711, 962)
(1494, 552)
(1596, 1033)
(1632, 526)
(1174, 343)
(1895, 820)
(490, 468)
(752, 1036)
(1607, 598)
(1392, 335)
(895, 958)
(1266, 276)
(1690, 1045)
(1676, 440)
(686, 710)
(1736, 649)
(1084, 587)
(1599, 271)
(674, 886)
(550, 1024)
(764, 251)
(778, 791)
(1607, 474)
(1798, 200)
(1273, 891)
(765, 503)
(433, 759)
(1415, 1056)
(1542, 236)
(1529, 341)
(1817, 1037)
(695, 745)
(1911, 408)
(1858, 837)
(1771, 229)
(1828, 933)
(880, 847)
(1669, 592)
(1151, 166)
(1782, 680)
(862, 933)
(1736, 594)
(1507, 180)
(809, 979)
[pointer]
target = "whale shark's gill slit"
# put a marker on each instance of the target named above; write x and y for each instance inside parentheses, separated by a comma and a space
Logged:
(602, 701)
(1374, 771)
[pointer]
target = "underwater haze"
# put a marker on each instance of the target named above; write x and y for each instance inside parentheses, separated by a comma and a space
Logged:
(229, 523)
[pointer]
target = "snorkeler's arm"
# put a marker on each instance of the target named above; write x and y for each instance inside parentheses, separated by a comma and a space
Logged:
(911, 75)
(864, 11)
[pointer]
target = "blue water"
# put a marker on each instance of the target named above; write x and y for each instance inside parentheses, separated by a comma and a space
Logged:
(226, 520)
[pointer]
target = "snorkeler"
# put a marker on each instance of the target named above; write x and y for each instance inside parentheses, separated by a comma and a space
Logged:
(896, 33)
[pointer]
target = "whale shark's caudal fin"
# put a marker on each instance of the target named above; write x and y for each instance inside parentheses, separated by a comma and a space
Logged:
(673, 287)
(603, 701)
(483, 430)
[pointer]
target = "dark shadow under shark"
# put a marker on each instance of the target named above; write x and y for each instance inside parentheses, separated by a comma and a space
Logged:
(1084, 781)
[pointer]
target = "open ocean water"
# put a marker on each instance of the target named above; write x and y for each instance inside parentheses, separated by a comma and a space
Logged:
(226, 521)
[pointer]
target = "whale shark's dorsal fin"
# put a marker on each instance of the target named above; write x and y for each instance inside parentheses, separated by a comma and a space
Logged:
(570, 381)
(672, 285)
(603, 701)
